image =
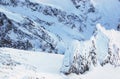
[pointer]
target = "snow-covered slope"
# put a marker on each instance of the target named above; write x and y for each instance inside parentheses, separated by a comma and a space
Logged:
(19, 64)
(65, 5)
(76, 20)
(38, 18)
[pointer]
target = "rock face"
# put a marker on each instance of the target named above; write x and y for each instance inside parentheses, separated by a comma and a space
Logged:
(14, 35)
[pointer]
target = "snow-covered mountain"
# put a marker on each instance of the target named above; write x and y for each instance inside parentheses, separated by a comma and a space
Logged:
(50, 26)
(87, 32)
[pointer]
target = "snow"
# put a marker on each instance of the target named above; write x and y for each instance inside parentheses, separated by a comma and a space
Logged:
(33, 64)
(67, 6)
(64, 32)
(71, 51)
(106, 72)
(112, 35)
(108, 14)
(14, 16)
(102, 42)
(46, 66)
(13, 35)
(110, 11)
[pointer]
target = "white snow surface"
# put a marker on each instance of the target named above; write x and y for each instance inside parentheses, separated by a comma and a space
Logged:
(33, 65)
(106, 72)
(41, 65)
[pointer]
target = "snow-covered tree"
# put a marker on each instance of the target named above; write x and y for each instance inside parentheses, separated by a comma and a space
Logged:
(92, 54)
(73, 61)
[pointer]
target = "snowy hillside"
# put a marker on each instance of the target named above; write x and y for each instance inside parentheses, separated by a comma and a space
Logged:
(19, 64)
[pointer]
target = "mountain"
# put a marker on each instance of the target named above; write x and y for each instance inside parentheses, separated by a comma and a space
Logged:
(45, 17)
(86, 32)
